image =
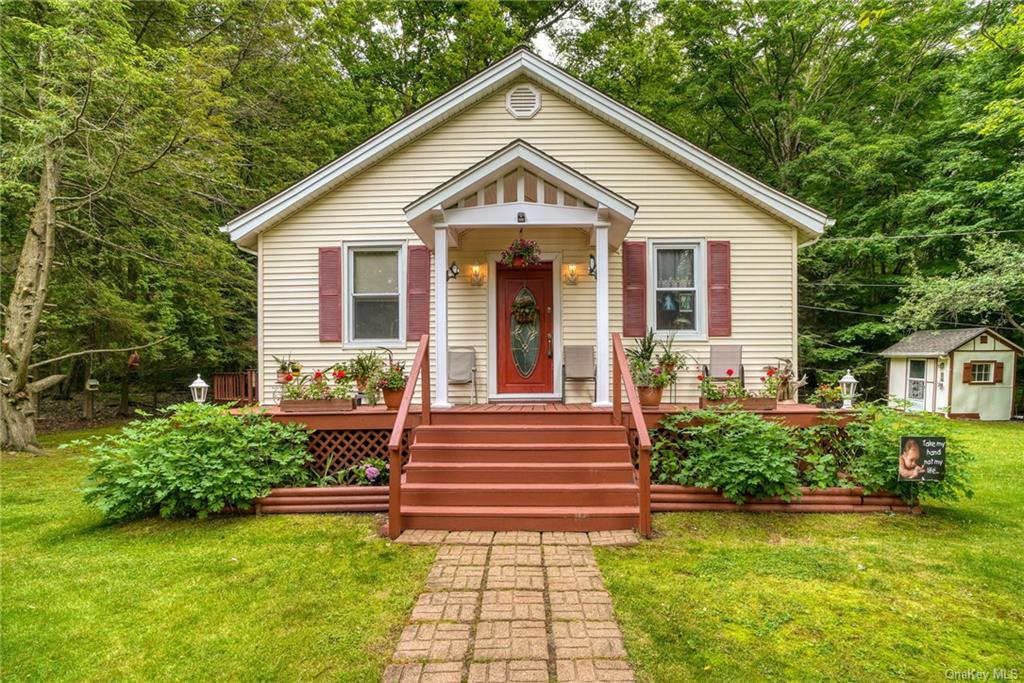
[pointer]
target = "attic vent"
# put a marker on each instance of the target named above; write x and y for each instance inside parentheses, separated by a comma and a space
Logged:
(523, 101)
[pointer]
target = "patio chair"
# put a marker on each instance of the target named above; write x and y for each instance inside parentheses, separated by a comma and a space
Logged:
(723, 358)
(462, 367)
(578, 366)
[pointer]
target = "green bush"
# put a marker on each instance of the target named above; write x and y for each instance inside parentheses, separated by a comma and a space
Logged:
(733, 451)
(823, 452)
(193, 460)
(874, 437)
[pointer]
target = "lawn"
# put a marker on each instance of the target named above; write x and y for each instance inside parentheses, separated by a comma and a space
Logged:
(234, 598)
(741, 597)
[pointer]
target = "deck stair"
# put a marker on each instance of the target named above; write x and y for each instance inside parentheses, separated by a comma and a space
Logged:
(547, 473)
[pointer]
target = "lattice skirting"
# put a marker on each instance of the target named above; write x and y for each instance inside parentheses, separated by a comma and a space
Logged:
(337, 450)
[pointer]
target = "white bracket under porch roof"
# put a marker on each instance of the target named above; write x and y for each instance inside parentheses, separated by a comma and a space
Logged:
(439, 216)
(577, 198)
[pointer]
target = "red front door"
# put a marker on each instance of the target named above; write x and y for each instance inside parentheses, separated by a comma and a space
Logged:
(525, 325)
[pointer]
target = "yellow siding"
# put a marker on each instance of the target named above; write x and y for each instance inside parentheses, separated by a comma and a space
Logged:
(675, 204)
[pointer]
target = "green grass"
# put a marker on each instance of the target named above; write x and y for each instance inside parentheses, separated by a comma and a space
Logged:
(741, 597)
(232, 598)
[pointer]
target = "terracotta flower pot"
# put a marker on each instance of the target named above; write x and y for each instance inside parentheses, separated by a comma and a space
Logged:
(282, 377)
(650, 396)
(393, 398)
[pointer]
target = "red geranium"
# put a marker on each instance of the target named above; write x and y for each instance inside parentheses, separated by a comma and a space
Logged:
(700, 378)
(762, 378)
(339, 374)
(729, 372)
(771, 372)
(317, 375)
(288, 378)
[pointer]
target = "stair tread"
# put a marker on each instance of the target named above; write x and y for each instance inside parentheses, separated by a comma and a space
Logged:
(601, 486)
(533, 445)
(521, 511)
(582, 464)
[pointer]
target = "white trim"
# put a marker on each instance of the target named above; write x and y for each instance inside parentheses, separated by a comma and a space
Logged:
(699, 245)
(261, 373)
(602, 331)
(519, 64)
(441, 315)
(348, 309)
(556, 329)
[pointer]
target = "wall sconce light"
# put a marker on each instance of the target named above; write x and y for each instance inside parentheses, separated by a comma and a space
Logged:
(453, 271)
(593, 267)
(476, 275)
(521, 217)
(571, 275)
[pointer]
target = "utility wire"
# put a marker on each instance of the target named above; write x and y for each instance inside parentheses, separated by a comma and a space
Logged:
(976, 233)
(880, 315)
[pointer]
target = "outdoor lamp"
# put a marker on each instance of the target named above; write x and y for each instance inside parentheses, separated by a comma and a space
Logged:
(571, 276)
(593, 267)
(453, 270)
(848, 385)
(199, 389)
(476, 275)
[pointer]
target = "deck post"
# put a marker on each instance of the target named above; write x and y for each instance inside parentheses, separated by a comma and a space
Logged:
(441, 315)
(603, 330)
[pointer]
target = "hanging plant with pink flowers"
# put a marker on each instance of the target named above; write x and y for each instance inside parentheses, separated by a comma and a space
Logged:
(521, 253)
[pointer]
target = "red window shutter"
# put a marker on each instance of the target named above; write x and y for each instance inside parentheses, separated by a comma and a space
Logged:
(634, 289)
(417, 309)
(997, 373)
(967, 373)
(330, 294)
(719, 289)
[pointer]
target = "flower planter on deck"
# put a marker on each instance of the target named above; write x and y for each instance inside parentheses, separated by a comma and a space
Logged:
(328, 405)
(649, 396)
(757, 403)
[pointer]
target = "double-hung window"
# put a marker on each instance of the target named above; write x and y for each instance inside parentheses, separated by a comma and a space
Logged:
(677, 293)
(375, 286)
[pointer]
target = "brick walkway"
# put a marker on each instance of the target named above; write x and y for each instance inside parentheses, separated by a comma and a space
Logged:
(512, 606)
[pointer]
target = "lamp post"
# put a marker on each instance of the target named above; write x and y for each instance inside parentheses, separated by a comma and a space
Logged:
(199, 389)
(848, 385)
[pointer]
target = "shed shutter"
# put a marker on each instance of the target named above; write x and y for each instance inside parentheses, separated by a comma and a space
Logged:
(719, 289)
(417, 308)
(330, 294)
(997, 373)
(634, 289)
(967, 373)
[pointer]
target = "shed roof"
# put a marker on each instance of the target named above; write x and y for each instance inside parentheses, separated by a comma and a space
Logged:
(939, 342)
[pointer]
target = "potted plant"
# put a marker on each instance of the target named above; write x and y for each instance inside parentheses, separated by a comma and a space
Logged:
(319, 392)
(650, 381)
(524, 310)
(828, 396)
(392, 383)
(732, 392)
(521, 253)
(672, 360)
(287, 369)
(364, 368)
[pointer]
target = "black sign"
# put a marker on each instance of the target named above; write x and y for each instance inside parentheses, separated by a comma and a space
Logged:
(922, 458)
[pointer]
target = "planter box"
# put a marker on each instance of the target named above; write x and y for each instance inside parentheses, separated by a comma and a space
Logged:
(673, 498)
(758, 403)
(323, 499)
(328, 405)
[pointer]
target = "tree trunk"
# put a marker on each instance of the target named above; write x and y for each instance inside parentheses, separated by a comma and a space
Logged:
(24, 309)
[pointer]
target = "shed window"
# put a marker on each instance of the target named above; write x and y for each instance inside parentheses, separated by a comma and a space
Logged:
(375, 294)
(982, 373)
(676, 291)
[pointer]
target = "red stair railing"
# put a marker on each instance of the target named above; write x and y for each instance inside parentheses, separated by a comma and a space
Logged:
(421, 368)
(620, 374)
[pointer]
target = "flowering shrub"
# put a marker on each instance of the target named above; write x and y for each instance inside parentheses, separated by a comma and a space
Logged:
(370, 472)
(827, 395)
(528, 250)
(320, 385)
(393, 378)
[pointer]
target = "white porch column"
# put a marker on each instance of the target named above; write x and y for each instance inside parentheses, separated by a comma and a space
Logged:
(603, 332)
(441, 316)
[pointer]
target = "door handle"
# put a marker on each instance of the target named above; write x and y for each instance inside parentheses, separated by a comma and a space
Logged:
(550, 349)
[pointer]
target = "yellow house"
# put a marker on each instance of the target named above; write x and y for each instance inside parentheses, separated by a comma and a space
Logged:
(635, 227)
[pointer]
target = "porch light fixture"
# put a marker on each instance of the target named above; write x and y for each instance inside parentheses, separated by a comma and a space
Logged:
(571, 275)
(453, 270)
(199, 389)
(476, 275)
(593, 267)
(848, 385)
(521, 217)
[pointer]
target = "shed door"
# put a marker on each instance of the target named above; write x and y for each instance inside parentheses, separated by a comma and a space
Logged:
(917, 384)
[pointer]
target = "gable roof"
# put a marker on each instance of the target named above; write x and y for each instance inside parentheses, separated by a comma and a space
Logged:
(524, 64)
(940, 342)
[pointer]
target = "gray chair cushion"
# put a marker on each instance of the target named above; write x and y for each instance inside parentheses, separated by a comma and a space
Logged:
(725, 357)
(461, 364)
(579, 362)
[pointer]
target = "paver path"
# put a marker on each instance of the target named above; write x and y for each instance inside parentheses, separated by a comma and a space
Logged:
(512, 606)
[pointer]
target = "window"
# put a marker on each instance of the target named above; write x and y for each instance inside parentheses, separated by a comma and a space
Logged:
(375, 284)
(982, 373)
(678, 285)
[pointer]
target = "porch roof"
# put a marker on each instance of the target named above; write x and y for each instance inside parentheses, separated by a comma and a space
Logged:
(520, 186)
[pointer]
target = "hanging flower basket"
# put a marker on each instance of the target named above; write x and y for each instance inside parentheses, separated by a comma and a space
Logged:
(524, 311)
(521, 253)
